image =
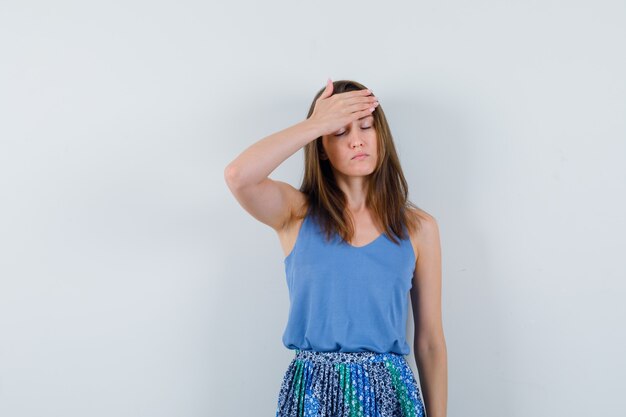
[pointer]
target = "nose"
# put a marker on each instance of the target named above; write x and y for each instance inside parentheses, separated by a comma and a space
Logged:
(355, 139)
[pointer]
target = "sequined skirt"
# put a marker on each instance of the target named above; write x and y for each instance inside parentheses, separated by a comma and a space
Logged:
(349, 384)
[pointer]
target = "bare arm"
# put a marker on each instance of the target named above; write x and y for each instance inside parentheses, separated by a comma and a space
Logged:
(270, 201)
(430, 345)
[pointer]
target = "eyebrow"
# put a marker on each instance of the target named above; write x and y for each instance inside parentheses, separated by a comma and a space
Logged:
(362, 118)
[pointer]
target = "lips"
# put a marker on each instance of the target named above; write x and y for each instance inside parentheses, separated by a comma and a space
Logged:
(360, 154)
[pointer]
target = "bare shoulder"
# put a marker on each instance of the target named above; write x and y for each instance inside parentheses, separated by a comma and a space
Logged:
(425, 234)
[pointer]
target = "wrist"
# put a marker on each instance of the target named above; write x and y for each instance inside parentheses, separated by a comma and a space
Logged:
(314, 128)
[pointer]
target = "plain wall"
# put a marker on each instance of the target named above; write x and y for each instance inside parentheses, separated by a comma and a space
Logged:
(133, 284)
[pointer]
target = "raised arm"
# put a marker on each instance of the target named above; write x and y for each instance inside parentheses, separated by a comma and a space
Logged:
(270, 201)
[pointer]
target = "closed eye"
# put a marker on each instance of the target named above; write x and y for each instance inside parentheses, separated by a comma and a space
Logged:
(364, 128)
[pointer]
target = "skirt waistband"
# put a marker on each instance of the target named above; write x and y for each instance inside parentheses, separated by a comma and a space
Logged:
(346, 357)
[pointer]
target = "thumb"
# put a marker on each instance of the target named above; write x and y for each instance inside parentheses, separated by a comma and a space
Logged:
(328, 90)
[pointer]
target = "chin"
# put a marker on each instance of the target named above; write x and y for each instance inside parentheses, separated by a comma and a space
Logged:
(364, 172)
(361, 172)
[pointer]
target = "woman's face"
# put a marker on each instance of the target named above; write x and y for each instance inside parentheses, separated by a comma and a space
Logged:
(341, 147)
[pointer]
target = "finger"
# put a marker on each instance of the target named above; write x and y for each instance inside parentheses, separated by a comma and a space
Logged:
(361, 99)
(357, 107)
(328, 91)
(366, 112)
(355, 93)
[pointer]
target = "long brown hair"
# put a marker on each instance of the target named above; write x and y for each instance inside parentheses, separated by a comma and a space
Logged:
(387, 195)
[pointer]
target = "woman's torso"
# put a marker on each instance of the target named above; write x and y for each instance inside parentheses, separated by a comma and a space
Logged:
(346, 296)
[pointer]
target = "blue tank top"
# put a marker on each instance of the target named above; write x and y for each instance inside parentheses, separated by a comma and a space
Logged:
(346, 298)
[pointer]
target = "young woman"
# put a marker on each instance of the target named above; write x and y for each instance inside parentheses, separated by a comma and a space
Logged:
(356, 249)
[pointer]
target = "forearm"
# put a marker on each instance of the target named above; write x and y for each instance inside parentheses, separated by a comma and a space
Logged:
(432, 365)
(257, 161)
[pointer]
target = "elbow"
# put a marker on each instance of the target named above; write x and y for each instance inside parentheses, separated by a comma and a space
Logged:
(431, 353)
(231, 176)
(431, 345)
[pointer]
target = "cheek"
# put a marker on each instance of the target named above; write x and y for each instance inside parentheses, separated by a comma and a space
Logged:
(373, 141)
(330, 151)
(331, 148)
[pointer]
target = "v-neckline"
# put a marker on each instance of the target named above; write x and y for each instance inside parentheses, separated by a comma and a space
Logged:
(367, 244)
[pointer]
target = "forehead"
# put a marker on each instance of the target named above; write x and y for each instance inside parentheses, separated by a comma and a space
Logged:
(369, 117)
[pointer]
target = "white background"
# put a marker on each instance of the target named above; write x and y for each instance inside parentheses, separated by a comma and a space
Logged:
(133, 284)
